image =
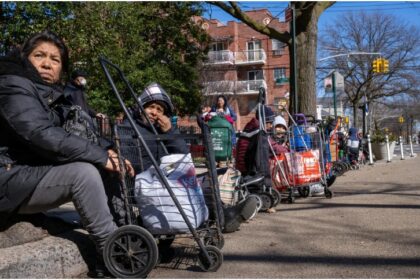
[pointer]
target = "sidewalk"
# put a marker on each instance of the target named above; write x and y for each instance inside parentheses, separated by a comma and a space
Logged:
(54, 249)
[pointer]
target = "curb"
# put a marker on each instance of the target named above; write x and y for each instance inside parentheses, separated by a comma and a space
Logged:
(63, 256)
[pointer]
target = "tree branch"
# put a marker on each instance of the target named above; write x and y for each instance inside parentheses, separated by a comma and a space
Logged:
(236, 12)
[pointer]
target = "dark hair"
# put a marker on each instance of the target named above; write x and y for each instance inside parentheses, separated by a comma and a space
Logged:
(224, 98)
(47, 36)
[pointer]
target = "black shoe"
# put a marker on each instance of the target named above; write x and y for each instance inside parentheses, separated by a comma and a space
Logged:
(233, 219)
(100, 270)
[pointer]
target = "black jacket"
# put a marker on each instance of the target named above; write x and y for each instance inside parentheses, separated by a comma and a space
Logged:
(76, 96)
(31, 137)
(138, 156)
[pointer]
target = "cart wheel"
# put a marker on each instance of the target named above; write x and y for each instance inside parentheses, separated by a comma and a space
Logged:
(216, 259)
(304, 191)
(130, 252)
(259, 201)
(217, 241)
(328, 193)
(277, 197)
(267, 201)
(290, 198)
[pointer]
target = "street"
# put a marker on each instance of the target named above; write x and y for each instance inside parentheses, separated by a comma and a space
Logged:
(368, 230)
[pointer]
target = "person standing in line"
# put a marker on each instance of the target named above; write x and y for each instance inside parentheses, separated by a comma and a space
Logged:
(76, 95)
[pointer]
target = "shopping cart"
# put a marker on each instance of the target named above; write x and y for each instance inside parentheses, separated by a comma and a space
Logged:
(132, 250)
(303, 166)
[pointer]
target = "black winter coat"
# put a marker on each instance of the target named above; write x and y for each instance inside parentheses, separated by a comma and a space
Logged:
(76, 96)
(174, 146)
(31, 137)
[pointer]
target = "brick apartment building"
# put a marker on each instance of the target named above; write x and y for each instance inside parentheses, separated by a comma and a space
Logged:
(242, 60)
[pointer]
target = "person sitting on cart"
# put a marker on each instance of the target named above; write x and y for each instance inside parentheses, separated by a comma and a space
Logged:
(280, 131)
(159, 109)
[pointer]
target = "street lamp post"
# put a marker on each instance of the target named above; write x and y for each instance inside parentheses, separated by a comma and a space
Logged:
(334, 94)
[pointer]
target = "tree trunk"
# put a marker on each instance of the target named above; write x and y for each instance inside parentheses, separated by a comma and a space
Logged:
(355, 114)
(306, 47)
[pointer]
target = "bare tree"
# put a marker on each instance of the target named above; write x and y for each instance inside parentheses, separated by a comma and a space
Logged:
(307, 15)
(373, 33)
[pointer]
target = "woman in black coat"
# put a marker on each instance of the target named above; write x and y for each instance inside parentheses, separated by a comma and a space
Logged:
(41, 165)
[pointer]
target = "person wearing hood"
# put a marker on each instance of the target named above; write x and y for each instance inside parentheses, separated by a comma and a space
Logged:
(353, 145)
(75, 92)
(41, 165)
(280, 130)
(159, 109)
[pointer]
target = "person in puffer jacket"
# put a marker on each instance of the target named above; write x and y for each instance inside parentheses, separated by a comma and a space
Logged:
(159, 109)
(41, 165)
(353, 145)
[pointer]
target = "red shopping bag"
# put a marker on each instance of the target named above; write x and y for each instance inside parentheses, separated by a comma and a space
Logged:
(303, 167)
(279, 173)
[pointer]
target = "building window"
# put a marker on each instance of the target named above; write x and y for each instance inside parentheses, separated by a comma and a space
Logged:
(277, 47)
(280, 75)
(218, 46)
(254, 50)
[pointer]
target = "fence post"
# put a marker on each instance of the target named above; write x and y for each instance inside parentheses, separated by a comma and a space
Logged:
(370, 150)
(402, 148)
(411, 147)
(388, 156)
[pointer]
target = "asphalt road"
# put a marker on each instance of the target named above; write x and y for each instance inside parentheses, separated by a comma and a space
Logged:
(370, 229)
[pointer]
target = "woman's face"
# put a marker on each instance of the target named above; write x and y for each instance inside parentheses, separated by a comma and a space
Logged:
(46, 59)
(220, 102)
(154, 111)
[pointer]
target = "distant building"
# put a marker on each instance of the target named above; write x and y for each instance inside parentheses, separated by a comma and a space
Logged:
(241, 60)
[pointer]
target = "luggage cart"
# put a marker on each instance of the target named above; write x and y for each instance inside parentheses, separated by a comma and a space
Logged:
(303, 165)
(132, 250)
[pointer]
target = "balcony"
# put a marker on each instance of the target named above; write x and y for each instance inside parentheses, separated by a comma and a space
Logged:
(219, 87)
(232, 87)
(221, 57)
(239, 58)
(249, 87)
(250, 57)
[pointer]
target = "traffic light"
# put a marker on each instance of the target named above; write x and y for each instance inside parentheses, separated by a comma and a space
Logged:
(401, 119)
(375, 66)
(385, 64)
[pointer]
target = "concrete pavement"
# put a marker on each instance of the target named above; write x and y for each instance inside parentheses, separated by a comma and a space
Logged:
(368, 230)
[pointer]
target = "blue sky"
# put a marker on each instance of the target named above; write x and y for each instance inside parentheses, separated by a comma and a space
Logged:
(406, 10)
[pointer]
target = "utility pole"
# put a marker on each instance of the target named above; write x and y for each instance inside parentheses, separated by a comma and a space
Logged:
(295, 90)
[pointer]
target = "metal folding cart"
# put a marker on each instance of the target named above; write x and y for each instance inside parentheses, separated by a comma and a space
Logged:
(303, 165)
(132, 250)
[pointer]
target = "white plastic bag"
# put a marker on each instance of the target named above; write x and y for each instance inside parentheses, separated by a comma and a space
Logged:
(157, 209)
